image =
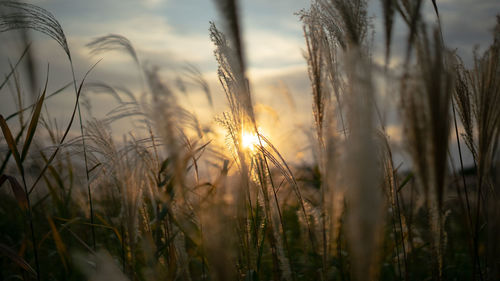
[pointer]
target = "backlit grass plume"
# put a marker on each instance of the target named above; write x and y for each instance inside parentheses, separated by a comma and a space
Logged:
(111, 42)
(19, 15)
(426, 102)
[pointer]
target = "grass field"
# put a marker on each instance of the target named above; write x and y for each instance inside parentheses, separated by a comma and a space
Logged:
(185, 201)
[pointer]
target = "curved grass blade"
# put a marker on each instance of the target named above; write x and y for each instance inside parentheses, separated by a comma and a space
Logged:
(9, 153)
(15, 67)
(34, 121)
(58, 91)
(17, 190)
(11, 143)
(61, 248)
(435, 8)
(405, 181)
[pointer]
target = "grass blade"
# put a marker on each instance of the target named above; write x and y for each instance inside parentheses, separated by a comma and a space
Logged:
(15, 66)
(58, 91)
(9, 153)
(61, 248)
(11, 143)
(17, 190)
(34, 121)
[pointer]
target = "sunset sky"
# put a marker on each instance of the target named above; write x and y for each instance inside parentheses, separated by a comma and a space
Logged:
(169, 33)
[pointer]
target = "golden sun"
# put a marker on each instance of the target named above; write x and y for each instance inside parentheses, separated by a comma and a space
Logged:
(249, 140)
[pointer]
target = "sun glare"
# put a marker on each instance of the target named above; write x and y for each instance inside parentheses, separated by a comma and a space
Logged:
(249, 140)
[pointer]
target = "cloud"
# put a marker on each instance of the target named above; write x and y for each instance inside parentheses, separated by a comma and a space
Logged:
(267, 48)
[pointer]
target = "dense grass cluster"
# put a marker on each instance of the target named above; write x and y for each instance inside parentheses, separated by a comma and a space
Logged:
(172, 203)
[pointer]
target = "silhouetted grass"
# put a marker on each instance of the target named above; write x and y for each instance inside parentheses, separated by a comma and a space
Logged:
(174, 203)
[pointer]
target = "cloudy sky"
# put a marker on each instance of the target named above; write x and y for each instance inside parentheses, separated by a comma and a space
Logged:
(170, 33)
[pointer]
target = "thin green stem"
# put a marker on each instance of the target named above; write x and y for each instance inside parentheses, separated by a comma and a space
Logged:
(86, 161)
